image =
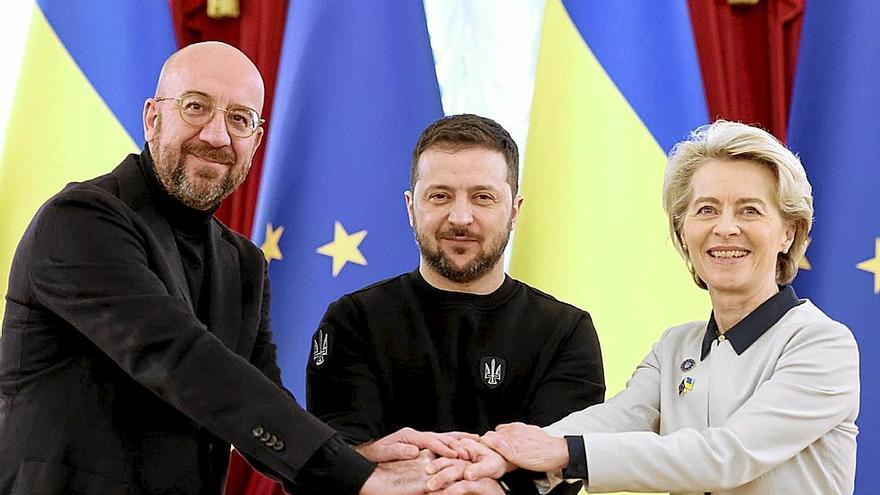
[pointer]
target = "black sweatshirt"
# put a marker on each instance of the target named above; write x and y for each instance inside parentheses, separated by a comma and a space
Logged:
(403, 353)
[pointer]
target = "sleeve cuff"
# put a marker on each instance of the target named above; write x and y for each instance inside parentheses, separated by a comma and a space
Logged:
(334, 468)
(577, 459)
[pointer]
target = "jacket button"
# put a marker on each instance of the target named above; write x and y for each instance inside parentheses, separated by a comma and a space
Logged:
(279, 445)
(258, 431)
(265, 436)
(272, 441)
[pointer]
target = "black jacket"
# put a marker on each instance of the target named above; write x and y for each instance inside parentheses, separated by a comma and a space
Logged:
(108, 381)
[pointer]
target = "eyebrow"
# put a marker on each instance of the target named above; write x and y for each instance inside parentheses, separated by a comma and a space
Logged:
(741, 201)
(213, 100)
(485, 187)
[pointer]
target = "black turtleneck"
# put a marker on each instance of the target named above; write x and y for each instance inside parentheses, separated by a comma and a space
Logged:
(191, 228)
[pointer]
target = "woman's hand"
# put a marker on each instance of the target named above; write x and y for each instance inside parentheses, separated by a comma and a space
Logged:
(528, 447)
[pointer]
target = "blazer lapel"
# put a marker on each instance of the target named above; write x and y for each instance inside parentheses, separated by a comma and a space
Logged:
(133, 191)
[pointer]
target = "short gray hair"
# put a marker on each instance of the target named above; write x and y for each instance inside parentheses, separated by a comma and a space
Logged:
(727, 141)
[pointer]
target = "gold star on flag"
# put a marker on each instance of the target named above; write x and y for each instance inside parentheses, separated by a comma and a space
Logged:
(270, 246)
(344, 248)
(873, 265)
(803, 264)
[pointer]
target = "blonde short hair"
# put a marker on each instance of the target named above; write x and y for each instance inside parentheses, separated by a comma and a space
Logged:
(735, 141)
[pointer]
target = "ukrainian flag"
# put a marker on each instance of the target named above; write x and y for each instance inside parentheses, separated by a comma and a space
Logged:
(617, 84)
(77, 112)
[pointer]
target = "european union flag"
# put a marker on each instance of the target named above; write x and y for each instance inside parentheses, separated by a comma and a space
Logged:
(835, 128)
(356, 86)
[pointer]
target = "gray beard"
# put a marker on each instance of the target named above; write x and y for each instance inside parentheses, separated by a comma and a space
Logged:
(179, 186)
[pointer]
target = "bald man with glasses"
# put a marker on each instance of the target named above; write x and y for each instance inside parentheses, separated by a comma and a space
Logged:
(136, 344)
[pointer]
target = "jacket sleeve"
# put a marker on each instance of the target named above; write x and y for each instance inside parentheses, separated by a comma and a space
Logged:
(91, 267)
(813, 389)
(342, 380)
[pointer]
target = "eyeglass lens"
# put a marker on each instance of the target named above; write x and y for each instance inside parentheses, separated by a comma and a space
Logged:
(198, 109)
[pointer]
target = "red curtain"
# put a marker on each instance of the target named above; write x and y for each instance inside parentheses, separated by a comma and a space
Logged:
(258, 31)
(748, 55)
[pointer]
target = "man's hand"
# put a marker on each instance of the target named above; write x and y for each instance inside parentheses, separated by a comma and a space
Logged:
(528, 447)
(485, 486)
(406, 443)
(407, 477)
(481, 463)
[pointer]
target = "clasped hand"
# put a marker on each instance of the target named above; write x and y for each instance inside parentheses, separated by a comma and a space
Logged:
(463, 463)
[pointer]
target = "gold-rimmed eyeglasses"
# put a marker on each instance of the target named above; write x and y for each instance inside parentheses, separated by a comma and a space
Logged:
(197, 109)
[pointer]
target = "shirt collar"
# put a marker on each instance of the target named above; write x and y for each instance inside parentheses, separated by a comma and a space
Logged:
(749, 329)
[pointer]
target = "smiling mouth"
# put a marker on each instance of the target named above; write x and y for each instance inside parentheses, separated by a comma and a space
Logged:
(209, 159)
(728, 253)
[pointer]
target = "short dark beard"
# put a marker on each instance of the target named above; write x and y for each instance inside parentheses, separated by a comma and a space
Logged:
(476, 269)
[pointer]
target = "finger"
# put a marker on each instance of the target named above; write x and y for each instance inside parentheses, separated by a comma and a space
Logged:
(447, 476)
(389, 452)
(458, 488)
(462, 434)
(482, 487)
(486, 469)
(446, 445)
(499, 444)
(434, 442)
(440, 464)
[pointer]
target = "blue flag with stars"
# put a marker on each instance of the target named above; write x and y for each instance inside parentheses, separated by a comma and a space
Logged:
(356, 86)
(835, 128)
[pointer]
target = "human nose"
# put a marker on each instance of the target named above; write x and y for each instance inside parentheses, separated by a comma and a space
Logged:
(214, 131)
(461, 213)
(726, 225)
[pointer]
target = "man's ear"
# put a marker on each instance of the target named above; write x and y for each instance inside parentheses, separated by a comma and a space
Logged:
(151, 119)
(515, 209)
(258, 139)
(408, 199)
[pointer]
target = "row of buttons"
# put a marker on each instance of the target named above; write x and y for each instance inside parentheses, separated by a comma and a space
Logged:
(268, 439)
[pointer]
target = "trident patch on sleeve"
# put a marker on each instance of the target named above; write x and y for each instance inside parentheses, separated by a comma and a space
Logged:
(320, 348)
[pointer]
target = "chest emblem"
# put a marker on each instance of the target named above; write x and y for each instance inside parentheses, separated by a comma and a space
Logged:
(687, 365)
(686, 385)
(320, 347)
(493, 370)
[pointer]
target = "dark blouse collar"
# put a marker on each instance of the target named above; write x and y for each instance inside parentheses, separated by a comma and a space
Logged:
(749, 329)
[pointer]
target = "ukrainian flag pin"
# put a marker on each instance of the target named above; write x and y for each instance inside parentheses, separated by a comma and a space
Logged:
(686, 385)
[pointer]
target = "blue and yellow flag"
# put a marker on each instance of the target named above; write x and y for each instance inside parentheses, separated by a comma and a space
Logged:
(835, 128)
(356, 87)
(617, 84)
(77, 111)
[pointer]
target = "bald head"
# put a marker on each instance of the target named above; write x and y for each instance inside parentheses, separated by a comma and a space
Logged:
(213, 68)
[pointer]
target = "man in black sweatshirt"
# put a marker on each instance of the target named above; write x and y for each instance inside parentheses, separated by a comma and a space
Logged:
(456, 344)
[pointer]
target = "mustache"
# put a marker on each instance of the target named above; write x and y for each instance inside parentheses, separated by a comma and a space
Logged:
(223, 155)
(453, 232)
